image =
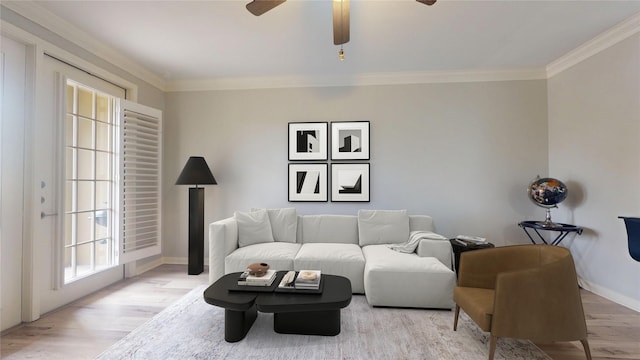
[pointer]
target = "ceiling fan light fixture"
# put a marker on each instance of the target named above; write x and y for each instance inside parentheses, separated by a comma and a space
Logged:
(259, 7)
(340, 22)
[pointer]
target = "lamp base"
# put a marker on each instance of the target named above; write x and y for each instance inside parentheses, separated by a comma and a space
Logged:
(196, 231)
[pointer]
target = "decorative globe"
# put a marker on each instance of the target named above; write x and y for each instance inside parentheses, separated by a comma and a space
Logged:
(547, 192)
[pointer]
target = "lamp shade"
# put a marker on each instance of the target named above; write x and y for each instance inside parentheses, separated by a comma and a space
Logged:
(196, 172)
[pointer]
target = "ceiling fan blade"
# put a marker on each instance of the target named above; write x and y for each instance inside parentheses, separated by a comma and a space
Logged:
(340, 22)
(259, 7)
(427, 2)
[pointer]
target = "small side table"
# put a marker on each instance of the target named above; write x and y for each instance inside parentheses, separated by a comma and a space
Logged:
(562, 229)
(460, 246)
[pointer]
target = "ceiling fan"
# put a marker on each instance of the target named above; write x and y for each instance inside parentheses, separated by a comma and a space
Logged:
(340, 16)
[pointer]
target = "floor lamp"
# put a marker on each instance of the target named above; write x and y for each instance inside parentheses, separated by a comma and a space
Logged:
(196, 172)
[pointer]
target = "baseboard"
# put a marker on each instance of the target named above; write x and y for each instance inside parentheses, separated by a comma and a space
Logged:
(618, 298)
(175, 260)
(139, 269)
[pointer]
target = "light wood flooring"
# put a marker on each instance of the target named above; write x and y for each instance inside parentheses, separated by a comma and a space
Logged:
(85, 328)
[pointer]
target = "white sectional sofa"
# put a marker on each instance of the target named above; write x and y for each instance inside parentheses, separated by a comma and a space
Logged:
(394, 258)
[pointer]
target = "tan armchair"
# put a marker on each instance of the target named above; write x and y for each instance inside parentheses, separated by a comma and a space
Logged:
(524, 291)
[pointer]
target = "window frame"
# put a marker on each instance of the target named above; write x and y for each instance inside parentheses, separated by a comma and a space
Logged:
(71, 241)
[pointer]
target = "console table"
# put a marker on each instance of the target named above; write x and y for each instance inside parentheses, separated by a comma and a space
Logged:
(562, 229)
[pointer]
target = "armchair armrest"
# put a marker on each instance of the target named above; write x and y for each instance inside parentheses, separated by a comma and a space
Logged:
(223, 239)
(440, 249)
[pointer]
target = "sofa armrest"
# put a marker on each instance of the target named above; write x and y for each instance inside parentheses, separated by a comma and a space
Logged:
(439, 249)
(223, 240)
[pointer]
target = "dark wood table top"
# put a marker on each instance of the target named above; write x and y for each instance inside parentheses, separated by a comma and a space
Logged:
(218, 294)
(336, 294)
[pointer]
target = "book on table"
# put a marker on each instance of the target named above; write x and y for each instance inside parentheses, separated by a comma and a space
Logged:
(251, 280)
(308, 279)
(472, 239)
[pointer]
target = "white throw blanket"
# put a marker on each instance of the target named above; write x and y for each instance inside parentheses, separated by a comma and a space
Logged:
(414, 239)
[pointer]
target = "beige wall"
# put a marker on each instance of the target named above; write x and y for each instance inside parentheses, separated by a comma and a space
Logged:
(463, 153)
(594, 145)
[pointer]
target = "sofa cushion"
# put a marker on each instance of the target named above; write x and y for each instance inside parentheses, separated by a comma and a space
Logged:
(279, 256)
(421, 281)
(420, 223)
(329, 229)
(284, 223)
(383, 227)
(253, 227)
(334, 259)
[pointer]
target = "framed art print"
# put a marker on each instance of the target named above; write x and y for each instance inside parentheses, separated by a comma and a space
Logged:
(308, 182)
(350, 182)
(308, 140)
(350, 140)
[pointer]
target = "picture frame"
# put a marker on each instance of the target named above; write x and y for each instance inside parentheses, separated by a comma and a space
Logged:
(308, 182)
(350, 140)
(308, 141)
(350, 182)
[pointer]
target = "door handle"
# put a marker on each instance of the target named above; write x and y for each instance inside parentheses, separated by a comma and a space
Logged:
(44, 215)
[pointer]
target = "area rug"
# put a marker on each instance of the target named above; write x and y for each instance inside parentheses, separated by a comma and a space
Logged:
(193, 329)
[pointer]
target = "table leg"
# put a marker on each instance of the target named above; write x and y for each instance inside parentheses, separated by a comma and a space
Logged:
(559, 238)
(238, 323)
(326, 322)
(531, 238)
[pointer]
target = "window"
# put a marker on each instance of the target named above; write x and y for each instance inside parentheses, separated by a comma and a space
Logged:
(90, 187)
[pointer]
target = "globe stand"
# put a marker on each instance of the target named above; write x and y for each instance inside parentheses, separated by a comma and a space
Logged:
(547, 221)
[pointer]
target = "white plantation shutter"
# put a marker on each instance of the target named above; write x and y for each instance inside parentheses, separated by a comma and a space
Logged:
(140, 181)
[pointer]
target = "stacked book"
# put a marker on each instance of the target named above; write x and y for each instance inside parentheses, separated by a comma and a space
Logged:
(308, 279)
(251, 280)
(466, 240)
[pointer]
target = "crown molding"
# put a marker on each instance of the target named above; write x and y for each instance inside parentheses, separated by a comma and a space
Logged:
(601, 42)
(59, 26)
(357, 80)
(66, 30)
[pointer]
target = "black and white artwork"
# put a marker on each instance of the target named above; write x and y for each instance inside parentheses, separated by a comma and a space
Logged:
(308, 182)
(308, 140)
(350, 140)
(350, 182)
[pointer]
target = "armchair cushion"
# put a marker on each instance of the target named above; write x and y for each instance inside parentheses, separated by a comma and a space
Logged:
(477, 303)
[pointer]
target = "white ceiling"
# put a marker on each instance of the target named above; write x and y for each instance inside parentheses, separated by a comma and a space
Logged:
(182, 41)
